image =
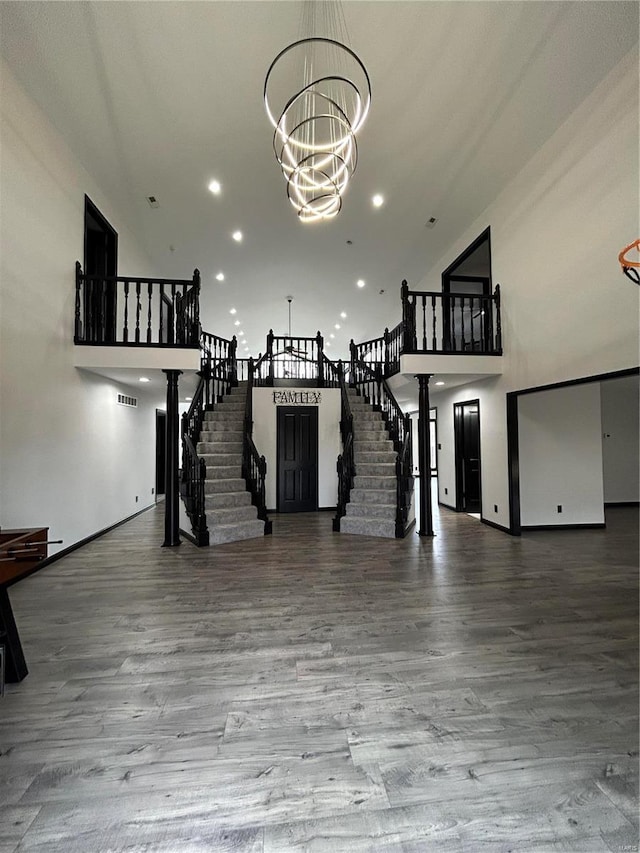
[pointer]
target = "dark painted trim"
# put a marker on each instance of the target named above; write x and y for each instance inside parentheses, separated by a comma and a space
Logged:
(457, 431)
(608, 504)
(513, 464)
(485, 236)
(495, 525)
(583, 380)
(133, 345)
(327, 508)
(513, 449)
(189, 536)
(447, 506)
(528, 527)
(65, 551)
(491, 354)
(408, 530)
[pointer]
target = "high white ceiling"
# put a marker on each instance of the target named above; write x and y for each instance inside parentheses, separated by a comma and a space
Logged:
(158, 98)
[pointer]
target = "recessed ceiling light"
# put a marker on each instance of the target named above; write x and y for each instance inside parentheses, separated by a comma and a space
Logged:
(327, 343)
(214, 187)
(332, 335)
(237, 323)
(377, 200)
(188, 399)
(237, 236)
(439, 383)
(360, 282)
(246, 349)
(220, 276)
(232, 311)
(144, 379)
(241, 333)
(337, 326)
(343, 315)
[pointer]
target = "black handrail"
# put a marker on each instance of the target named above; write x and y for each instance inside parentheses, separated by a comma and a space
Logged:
(346, 463)
(463, 323)
(370, 383)
(289, 359)
(217, 377)
(254, 466)
(137, 311)
(194, 473)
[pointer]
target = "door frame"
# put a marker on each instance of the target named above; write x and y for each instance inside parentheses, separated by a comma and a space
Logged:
(161, 442)
(457, 434)
(487, 285)
(286, 410)
(102, 296)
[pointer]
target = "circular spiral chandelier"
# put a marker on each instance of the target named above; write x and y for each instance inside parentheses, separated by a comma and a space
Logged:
(317, 94)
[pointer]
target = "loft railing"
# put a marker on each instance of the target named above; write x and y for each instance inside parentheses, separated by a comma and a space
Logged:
(346, 463)
(297, 360)
(384, 351)
(462, 323)
(370, 384)
(125, 311)
(254, 466)
(217, 377)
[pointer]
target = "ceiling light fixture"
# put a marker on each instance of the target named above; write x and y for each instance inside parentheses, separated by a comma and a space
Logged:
(214, 187)
(144, 379)
(360, 282)
(237, 323)
(343, 314)
(439, 383)
(237, 236)
(232, 311)
(377, 200)
(220, 276)
(337, 326)
(317, 94)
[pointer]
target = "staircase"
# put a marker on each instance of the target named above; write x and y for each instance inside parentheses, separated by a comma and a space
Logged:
(372, 508)
(229, 511)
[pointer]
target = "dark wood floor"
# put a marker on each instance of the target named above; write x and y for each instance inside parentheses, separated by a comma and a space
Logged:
(315, 691)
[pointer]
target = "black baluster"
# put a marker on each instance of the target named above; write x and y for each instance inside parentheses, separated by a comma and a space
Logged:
(498, 320)
(423, 299)
(78, 328)
(149, 298)
(473, 332)
(320, 345)
(138, 312)
(434, 340)
(196, 307)
(125, 328)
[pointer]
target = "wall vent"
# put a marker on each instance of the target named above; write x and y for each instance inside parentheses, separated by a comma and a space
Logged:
(127, 401)
(153, 201)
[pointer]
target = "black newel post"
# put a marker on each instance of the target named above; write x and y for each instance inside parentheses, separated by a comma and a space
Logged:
(424, 464)
(172, 487)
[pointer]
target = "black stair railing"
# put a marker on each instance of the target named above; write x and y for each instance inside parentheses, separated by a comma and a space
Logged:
(371, 385)
(436, 322)
(126, 311)
(384, 351)
(254, 466)
(217, 377)
(346, 462)
(290, 359)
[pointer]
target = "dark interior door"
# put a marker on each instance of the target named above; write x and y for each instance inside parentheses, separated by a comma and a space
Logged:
(297, 459)
(467, 442)
(101, 262)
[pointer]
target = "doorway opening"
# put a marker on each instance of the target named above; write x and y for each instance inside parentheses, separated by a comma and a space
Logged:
(467, 323)
(161, 440)
(466, 425)
(101, 265)
(297, 473)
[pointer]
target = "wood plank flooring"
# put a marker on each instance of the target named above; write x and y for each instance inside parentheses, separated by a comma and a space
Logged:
(313, 691)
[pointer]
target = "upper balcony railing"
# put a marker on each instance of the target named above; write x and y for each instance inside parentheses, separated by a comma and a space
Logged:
(446, 323)
(119, 311)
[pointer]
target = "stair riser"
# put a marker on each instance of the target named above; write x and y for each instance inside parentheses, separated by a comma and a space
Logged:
(370, 457)
(231, 515)
(223, 447)
(373, 445)
(236, 532)
(368, 527)
(375, 469)
(362, 510)
(220, 460)
(228, 472)
(216, 487)
(227, 500)
(385, 484)
(372, 496)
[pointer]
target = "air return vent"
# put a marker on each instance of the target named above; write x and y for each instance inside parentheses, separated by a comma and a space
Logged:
(127, 401)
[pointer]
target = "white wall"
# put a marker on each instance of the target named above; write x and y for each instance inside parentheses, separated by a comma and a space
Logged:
(70, 457)
(620, 456)
(561, 456)
(329, 446)
(556, 231)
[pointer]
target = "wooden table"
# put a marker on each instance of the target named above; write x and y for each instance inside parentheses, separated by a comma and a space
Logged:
(21, 551)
